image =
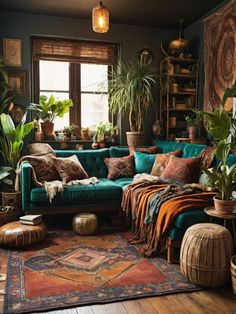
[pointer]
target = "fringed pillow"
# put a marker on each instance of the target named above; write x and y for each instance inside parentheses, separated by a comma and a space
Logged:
(162, 160)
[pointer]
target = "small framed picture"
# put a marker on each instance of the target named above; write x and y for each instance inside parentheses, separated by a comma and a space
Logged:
(12, 51)
(17, 81)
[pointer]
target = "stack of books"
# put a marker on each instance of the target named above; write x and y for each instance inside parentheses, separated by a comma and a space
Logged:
(31, 220)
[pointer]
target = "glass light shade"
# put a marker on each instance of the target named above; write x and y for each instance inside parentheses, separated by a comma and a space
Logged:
(100, 19)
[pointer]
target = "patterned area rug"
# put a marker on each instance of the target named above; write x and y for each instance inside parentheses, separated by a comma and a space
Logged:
(70, 270)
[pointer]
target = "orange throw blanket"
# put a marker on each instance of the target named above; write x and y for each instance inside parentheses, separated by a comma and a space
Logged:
(135, 204)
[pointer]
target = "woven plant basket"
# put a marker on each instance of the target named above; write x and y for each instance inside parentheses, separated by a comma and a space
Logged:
(205, 255)
(233, 272)
(8, 215)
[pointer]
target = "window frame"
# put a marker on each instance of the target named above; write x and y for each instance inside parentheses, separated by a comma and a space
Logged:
(74, 73)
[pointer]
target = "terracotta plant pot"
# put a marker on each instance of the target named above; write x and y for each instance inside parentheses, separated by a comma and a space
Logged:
(224, 206)
(85, 134)
(135, 138)
(48, 130)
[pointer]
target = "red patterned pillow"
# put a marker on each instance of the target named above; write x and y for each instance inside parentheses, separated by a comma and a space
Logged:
(70, 168)
(120, 167)
(162, 160)
(183, 170)
(147, 150)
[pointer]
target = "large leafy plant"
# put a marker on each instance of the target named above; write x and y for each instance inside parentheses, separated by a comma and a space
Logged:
(11, 143)
(131, 90)
(5, 91)
(222, 128)
(49, 108)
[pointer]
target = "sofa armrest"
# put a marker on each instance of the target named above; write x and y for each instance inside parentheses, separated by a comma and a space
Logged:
(26, 184)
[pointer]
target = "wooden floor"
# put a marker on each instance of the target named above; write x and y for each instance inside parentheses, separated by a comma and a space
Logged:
(220, 300)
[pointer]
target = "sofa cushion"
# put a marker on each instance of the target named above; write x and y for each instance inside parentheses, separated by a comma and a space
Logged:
(91, 160)
(104, 190)
(169, 146)
(147, 150)
(69, 168)
(189, 218)
(123, 182)
(192, 150)
(120, 167)
(143, 162)
(161, 162)
(183, 170)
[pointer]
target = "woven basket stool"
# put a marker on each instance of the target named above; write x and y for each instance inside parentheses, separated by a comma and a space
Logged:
(16, 235)
(205, 254)
(85, 224)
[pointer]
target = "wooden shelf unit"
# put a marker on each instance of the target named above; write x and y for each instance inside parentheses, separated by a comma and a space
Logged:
(176, 76)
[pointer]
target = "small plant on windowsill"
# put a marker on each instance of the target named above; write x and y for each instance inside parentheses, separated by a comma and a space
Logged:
(49, 108)
(102, 133)
(193, 124)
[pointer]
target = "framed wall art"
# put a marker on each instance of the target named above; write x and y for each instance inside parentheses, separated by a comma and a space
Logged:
(12, 51)
(220, 52)
(17, 81)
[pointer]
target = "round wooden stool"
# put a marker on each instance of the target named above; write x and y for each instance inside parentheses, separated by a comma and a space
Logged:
(205, 254)
(85, 224)
(16, 235)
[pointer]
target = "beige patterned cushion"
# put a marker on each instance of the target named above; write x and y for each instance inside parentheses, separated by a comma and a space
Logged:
(120, 167)
(161, 162)
(70, 168)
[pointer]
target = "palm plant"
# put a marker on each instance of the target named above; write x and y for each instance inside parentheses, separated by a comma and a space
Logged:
(131, 90)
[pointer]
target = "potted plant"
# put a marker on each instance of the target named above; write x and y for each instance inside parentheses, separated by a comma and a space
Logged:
(101, 133)
(49, 108)
(193, 124)
(67, 131)
(222, 128)
(132, 90)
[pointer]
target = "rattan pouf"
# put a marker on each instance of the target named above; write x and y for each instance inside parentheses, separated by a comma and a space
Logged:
(85, 224)
(205, 254)
(16, 235)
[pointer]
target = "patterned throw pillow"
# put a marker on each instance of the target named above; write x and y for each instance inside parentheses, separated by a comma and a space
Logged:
(44, 167)
(120, 167)
(147, 150)
(40, 149)
(183, 170)
(161, 162)
(70, 168)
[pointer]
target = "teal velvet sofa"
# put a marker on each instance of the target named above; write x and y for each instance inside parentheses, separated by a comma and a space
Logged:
(107, 194)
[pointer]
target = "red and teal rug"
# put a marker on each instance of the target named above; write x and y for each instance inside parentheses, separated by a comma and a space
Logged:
(70, 270)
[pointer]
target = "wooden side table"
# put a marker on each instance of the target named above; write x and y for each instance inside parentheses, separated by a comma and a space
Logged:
(210, 211)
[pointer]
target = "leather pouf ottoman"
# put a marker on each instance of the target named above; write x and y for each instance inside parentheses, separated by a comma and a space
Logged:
(205, 254)
(85, 224)
(16, 235)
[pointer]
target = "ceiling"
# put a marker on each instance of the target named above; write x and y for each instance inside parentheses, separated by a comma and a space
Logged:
(152, 13)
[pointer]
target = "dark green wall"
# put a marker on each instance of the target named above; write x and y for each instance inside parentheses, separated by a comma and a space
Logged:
(131, 38)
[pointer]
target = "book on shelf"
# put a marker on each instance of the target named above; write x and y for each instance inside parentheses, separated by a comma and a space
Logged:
(31, 219)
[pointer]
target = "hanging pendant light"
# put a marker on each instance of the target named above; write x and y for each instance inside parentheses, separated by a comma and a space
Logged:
(100, 19)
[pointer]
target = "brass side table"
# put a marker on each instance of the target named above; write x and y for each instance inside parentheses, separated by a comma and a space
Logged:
(210, 211)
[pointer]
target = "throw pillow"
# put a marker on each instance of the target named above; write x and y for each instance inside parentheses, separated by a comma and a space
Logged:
(44, 167)
(70, 168)
(182, 170)
(120, 167)
(40, 149)
(143, 162)
(147, 150)
(161, 162)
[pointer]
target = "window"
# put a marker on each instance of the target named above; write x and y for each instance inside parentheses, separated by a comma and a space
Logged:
(77, 70)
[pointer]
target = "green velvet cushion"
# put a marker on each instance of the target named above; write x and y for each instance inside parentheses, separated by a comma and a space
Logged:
(168, 146)
(189, 218)
(143, 162)
(91, 160)
(123, 182)
(192, 150)
(104, 190)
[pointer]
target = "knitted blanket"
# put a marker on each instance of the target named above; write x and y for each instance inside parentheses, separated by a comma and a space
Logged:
(153, 207)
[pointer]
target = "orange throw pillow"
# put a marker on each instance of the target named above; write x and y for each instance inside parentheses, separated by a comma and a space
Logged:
(161, 162)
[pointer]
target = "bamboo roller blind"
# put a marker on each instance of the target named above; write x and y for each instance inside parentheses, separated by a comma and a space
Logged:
(73, 51)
